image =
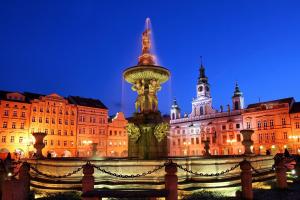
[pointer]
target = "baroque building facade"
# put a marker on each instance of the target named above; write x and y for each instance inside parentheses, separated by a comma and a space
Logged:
(276, 125)
(72, 124)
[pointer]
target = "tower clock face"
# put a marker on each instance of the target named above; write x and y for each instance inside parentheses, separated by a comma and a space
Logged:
(207, 88)
(200, 89)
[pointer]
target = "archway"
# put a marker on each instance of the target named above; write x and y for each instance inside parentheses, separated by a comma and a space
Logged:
(67, 153)
(53, 153)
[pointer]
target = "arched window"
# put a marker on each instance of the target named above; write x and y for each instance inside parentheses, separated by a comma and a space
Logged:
(201, 110)
(173, 115)
(236, 105)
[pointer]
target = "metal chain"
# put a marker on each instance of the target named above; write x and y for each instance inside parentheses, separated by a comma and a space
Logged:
(257, 172)
(52, 176)
(206, 174)
(132, 175)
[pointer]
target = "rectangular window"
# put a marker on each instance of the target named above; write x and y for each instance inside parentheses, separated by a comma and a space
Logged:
(58, 142)
(46, 131)
(71, 143)
(66, 122)
(52, 131)
(13, 125)
(23, 114)
(258, 125)
(267, 137)
(20, 140)
(5, 112)
(4, 125)
(272, 123)
(59, 132)
(265, 124)
(273, 137)
(40, 120)
(72, 122)
(12, 139)
(65, 132)
(59, 121)
(178, 141)
(224, 127)
(65, 143)
(237, 126)
(47, 120)
(283, 121)
(22, 125)
(248, 125)
(238, 137)
(33, 119)
(260, 138)
(3, 140)
(71, 133)
(51, 142)
(285, 135)
(53, 121)
(45, 142)
(41, 109)
(14, 113)
(297, 125)
(192, 141)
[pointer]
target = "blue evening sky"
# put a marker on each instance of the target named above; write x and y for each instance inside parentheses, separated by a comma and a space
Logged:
(81, 48)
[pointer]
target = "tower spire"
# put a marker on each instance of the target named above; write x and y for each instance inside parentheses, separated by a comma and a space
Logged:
(146, 58)
(237, 91)
(202, 77)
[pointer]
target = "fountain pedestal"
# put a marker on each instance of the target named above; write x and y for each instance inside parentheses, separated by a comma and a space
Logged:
(147, 136)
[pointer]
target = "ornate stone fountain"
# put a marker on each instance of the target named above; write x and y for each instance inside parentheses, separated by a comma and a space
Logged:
(147, 131)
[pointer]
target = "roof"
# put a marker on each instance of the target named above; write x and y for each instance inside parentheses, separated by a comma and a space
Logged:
(28, 96)
(81, 101)
(289, 100)
(296, 107)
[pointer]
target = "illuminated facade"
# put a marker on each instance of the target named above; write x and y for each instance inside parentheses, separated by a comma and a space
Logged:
(72, 124)
(15, 111)
(117, 138)
(276, 125)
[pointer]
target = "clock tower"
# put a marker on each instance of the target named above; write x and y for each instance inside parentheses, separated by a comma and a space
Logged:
(202, 104)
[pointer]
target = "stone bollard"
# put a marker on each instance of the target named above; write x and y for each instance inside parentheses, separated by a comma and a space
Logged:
(246, 180)
(24, 177)
(247, 142)
(171, 181)
(88, 180)
(280, 170)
